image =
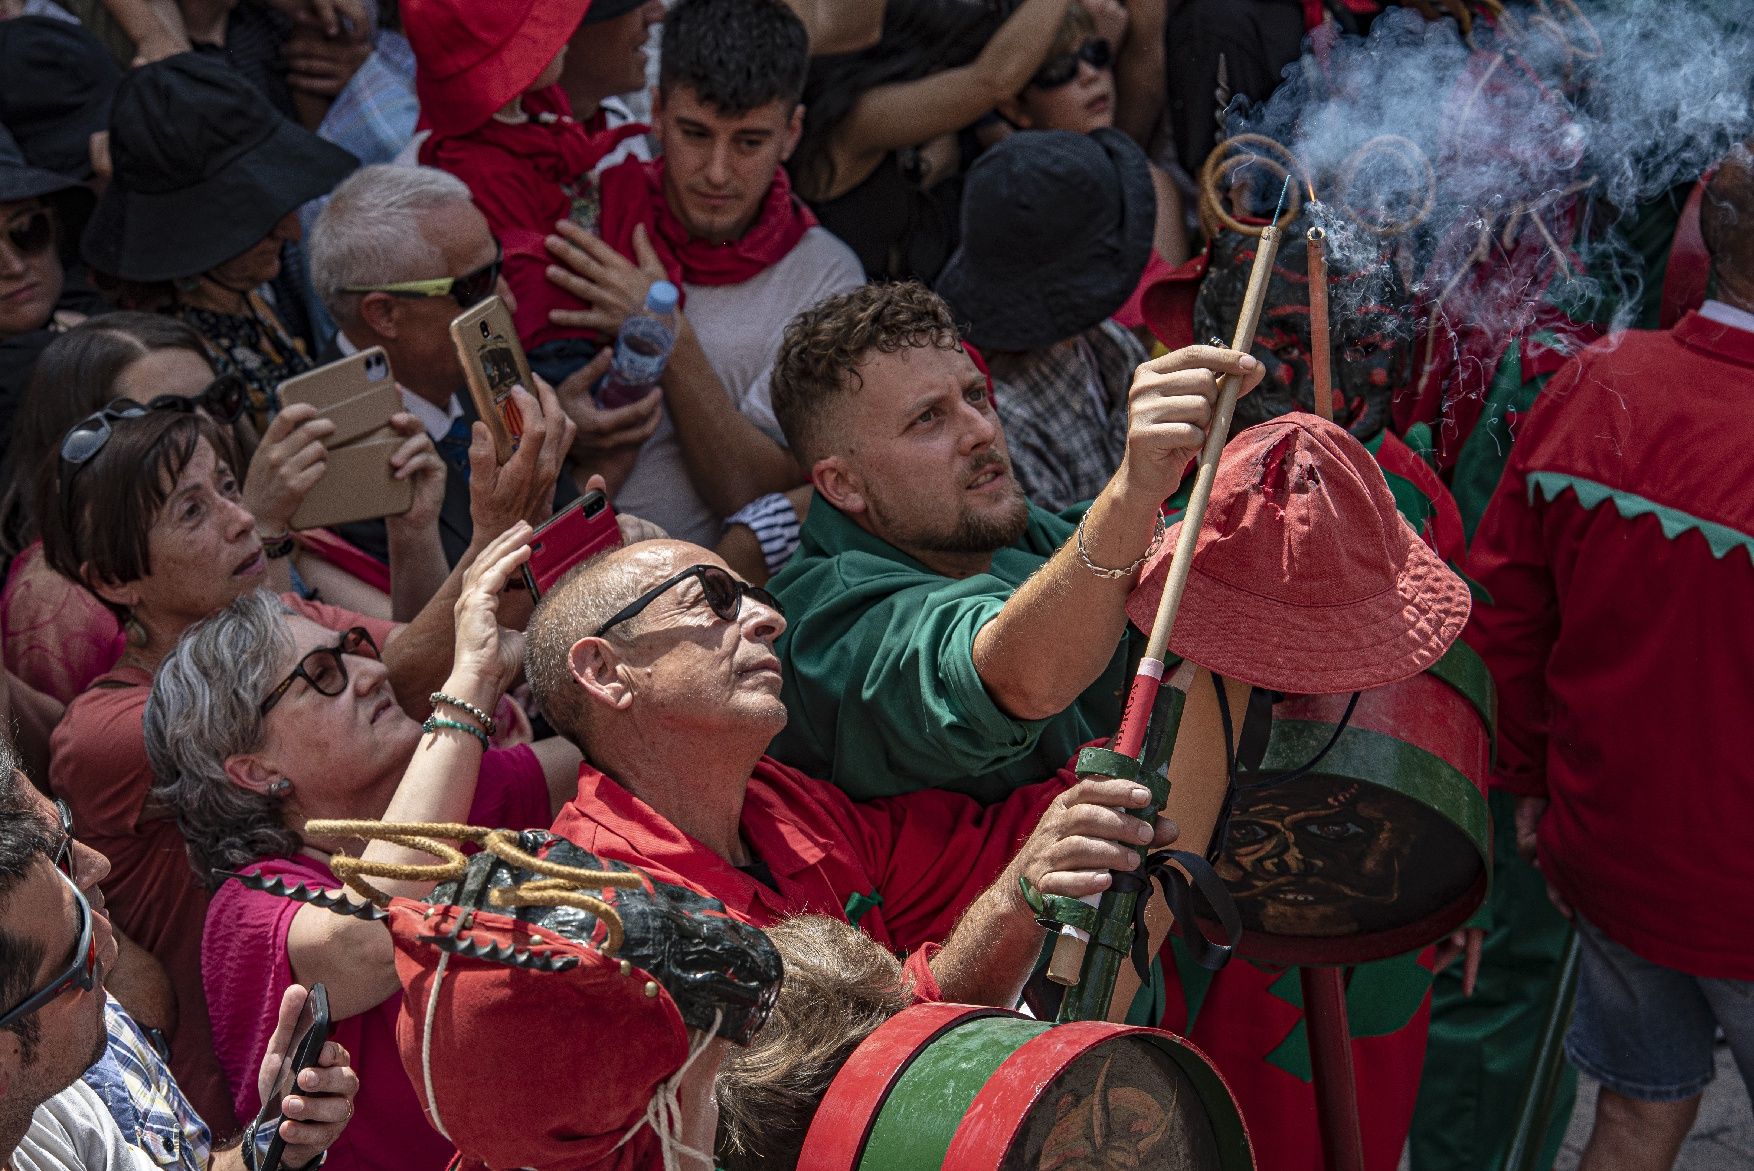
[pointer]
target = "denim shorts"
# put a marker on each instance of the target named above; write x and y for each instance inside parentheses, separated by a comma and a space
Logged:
(1646, 1031)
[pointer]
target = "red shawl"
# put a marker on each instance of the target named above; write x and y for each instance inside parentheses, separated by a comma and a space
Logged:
(633, 193)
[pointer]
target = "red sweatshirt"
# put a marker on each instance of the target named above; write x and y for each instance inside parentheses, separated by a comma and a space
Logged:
(1619, 556)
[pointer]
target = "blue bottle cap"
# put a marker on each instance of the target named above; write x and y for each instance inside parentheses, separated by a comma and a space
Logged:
(661, 297)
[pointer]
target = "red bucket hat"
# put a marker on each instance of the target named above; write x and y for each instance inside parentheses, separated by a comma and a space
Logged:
(1305, 577)
(473, 56)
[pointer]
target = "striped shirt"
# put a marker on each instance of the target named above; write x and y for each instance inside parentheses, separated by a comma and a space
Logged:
(136, 1086)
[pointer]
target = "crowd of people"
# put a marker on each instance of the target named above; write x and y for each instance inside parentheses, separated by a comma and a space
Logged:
(953, 278)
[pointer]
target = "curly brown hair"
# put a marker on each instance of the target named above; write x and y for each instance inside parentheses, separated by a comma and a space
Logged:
(824, 346)
(840, 985)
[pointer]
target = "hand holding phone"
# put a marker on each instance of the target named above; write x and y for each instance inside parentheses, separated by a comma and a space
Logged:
(305, 1050)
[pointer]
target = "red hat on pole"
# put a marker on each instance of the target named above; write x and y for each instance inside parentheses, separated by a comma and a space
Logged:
(473, 56)
(1305, 578)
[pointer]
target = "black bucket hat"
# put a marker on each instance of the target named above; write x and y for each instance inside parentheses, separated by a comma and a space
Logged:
(1056, 229)
(19, 180)
(602, 10)
(59, 82)
(204, 169)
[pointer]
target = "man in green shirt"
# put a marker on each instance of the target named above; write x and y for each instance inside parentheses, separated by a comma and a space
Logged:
(942, 631)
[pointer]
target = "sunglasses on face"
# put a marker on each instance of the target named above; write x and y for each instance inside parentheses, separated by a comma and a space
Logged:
(31, 235)
(81, 970)
(467, 290)
(723, 593)
(1057, 71)
(64, 852)
(325, 669)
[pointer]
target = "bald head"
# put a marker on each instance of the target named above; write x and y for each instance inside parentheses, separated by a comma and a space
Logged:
(1726, 220)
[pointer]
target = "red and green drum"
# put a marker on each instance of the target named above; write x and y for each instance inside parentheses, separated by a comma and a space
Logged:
(1385, 847)
(963, 1088)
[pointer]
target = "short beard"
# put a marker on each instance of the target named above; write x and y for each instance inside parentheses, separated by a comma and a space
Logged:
(972, 533)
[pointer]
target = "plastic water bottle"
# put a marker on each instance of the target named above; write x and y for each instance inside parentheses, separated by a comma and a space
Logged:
(642, 349)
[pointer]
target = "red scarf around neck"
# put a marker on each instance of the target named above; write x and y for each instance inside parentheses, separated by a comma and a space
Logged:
(633, 193)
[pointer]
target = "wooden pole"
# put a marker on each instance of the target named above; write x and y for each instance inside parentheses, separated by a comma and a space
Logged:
(1330, 1059)
(1321, 358)
(1067, 962)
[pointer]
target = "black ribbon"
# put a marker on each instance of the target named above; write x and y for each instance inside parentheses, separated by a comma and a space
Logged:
(1186, 900)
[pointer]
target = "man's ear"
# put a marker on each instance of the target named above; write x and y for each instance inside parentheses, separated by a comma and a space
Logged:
(596, 668)
(658, 118)
(794, 131)
(378, 313)
(839, 484)
(116, 593)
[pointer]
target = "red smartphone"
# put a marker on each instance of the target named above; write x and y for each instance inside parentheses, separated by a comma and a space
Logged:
(575, 533)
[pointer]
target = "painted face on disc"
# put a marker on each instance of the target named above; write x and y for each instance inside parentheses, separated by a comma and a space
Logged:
(1370, 316)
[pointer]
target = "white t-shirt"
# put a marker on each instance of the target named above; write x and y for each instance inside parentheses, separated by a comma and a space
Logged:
(74, 1132)
(740, 327)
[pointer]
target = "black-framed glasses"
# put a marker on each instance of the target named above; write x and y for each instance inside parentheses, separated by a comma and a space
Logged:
(33, 234)
(63, 858)
(723, 593)
(324, 668)
(1058, 70)
(81, 970)
(224, 398)
(468, 290)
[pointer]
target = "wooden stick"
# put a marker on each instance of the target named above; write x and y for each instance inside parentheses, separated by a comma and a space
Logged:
(1067, 960)
(1321, 357)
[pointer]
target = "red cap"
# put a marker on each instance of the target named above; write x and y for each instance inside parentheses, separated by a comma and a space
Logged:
(1305, 578)
(589, 1045)
(473, 56)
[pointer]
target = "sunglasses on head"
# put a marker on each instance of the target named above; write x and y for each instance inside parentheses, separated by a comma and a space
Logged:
(81, 970)
(31, 235)
(324, 668)
(468, 290)
(1057, 71)
(723, 593)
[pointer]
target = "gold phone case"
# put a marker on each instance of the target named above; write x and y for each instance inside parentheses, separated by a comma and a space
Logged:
(358, 394)
(493, 362)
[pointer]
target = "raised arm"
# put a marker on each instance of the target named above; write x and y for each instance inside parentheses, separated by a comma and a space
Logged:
(908, 113)
(840, 26)
(1066, 606)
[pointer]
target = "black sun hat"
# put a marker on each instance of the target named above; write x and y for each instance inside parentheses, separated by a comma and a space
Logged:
(19, 181)
(204, 169)
(1056, 229)
(59, 82)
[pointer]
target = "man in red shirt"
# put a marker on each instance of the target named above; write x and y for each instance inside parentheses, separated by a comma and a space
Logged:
(1619, 556)
(659, 664)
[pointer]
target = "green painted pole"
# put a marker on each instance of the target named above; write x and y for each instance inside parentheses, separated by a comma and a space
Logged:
(1536, 1114)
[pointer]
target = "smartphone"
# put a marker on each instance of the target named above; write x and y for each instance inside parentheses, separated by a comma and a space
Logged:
(309, 1036)
(358, 394)
(572, 535)
(493, 362)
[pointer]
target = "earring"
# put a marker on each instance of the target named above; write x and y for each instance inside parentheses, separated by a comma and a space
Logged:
(279, 788)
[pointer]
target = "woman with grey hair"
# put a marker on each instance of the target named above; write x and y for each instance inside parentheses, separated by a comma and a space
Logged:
(261, 721)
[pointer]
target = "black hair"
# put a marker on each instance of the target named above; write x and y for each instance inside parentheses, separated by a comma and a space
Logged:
(736, 55)
(920, 37)
(25, 835)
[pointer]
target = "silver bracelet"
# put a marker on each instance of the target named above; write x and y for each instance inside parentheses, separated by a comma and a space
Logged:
(1104, 571)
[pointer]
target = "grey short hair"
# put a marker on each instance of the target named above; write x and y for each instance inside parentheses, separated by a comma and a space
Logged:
(205, 708)
(588, 596)
(369, 231)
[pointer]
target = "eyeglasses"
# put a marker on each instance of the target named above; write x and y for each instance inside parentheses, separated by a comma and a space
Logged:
(324, 668)
(224, 398)
(32, 234)
(468, 290)
(1057, 71)
(64, 852)
(723, 593)
(81, 970)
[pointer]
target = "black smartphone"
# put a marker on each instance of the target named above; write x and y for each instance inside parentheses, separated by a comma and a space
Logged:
(308, 1037)
(578, 531)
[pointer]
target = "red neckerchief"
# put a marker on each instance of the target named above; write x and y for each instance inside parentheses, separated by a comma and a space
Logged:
(554, 143)
(633, 193)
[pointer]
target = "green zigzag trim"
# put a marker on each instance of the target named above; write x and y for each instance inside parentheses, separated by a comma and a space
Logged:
(1721, 538)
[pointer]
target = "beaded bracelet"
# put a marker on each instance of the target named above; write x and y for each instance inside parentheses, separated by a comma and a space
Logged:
(438, 723)
(464, 705)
